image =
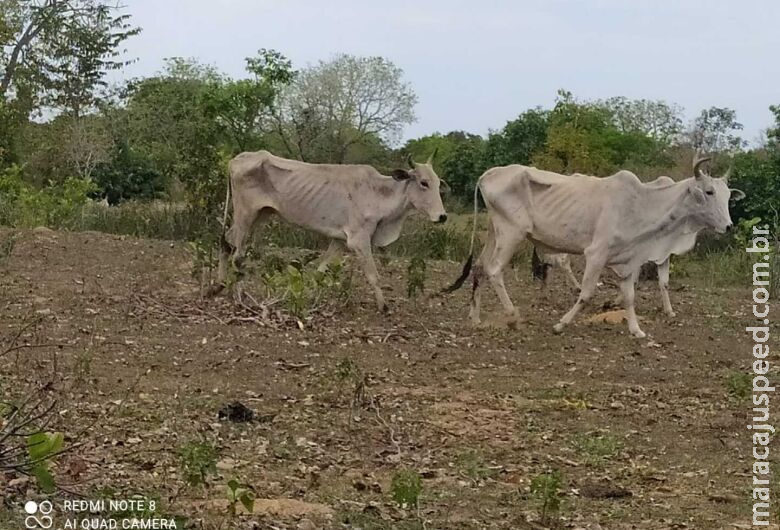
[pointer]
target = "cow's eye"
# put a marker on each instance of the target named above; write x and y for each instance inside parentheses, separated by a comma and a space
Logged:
(424, 184)
(710, 192)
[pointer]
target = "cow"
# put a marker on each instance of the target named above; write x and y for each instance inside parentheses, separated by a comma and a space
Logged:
(616, 221)
(353, 205)
(541, 262)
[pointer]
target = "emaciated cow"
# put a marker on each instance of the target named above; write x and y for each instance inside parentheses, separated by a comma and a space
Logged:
(353, 204)
(616, 221)
(541, 262)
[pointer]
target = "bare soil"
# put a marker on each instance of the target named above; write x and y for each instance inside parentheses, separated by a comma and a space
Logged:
(644, 432)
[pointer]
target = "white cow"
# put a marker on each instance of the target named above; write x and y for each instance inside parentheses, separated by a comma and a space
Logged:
(686, 242)
(617, 222)
(354, 205)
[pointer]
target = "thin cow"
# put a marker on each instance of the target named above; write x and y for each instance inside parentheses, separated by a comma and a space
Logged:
(616, 221)
(354, 205)
(541, 261)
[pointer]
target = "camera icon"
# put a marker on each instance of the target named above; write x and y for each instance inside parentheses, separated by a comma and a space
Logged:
(38, 514)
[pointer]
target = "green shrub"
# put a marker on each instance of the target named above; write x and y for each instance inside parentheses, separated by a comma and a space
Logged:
(546, 488)
(41, 447)
(597, 447)
(432, 242)
(303, 291)
(56, 205)
(406, 487)
(739, 385)
(198, 460)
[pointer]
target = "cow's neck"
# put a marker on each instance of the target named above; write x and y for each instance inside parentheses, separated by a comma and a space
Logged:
(397, 202)
(395, 206)
(669, 218)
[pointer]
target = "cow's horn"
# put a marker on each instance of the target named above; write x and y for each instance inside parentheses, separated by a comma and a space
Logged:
(433, 155)
(697, 162)
(409, 161)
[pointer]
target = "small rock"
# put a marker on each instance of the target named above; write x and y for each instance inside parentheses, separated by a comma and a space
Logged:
(226, 464)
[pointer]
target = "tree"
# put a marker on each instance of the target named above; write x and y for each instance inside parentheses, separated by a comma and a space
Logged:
(464, 165)
(444, 145)
(168, 124)
(127, 175)
(658, 120)
(598, 138)
(242, 107)
(773, 134)
(713, 130)
(335, 105)
(60, 50)
(576, 138)
(519, 140)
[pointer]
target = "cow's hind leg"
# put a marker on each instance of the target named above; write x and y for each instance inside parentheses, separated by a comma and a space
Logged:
(244, 220)
(627, 287)
(335, 249)
(479, 275)
(663, 285)
(506, 239)
(594, 263)
(566, 266)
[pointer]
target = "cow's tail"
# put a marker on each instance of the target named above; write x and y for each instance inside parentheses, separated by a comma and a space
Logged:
(470, 261)
(539, 268)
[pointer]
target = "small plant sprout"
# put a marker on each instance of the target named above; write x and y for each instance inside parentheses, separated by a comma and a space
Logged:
(546, 489)
(240, 493)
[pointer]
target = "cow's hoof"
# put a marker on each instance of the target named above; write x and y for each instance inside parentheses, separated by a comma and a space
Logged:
(639, 334)
(671, 314)
(558, 328)
(384, 309)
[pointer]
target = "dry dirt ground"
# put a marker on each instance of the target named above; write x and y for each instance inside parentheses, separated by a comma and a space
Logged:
(644, 432)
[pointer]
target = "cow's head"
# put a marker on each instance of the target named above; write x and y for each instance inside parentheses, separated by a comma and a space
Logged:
(710, 197)
(423, 188)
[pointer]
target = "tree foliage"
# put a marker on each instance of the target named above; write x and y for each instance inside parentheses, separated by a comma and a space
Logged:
(714, 130)
(57, 52)
(345, 102)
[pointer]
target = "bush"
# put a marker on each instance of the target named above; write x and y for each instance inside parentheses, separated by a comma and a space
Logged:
(128, 177)
(303, 291)
(546, 488)
(59, 205)
(198, 460)
(432, 242)
(406, 488)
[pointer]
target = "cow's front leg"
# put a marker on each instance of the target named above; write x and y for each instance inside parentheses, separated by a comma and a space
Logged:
(663, 285)
(627, 288)
(362, 248)
(594, 263)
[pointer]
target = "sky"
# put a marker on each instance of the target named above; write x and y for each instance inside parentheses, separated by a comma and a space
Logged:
(476, 64)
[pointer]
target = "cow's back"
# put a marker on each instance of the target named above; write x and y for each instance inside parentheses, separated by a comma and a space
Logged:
(320, 197)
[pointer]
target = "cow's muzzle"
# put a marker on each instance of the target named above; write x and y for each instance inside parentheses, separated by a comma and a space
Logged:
(442, 218)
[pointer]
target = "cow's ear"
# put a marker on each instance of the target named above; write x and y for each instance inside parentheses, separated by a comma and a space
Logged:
(401, 174)
(737, 195)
